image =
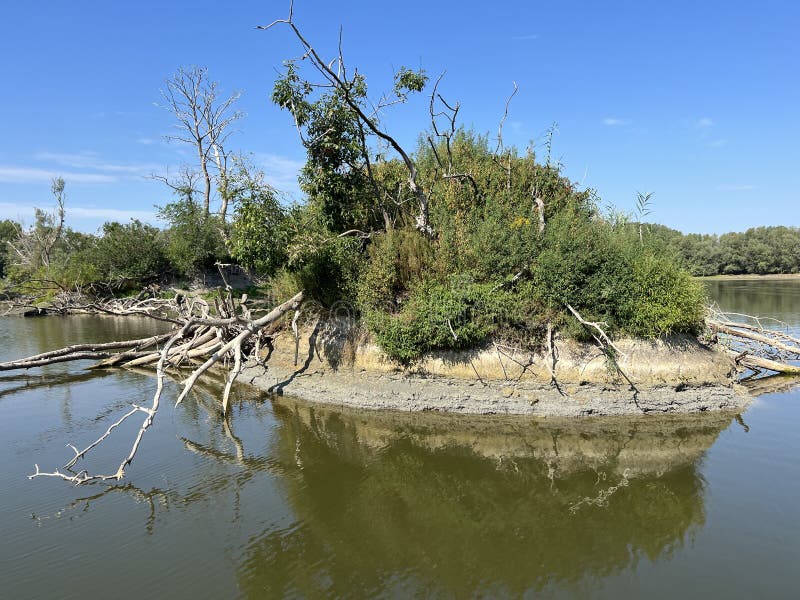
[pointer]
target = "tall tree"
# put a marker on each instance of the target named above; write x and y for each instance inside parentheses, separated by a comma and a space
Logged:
(337, 125)
(204, 121)
(34, 247)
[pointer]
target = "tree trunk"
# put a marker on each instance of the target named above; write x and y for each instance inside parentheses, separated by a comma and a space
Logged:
(206, 180)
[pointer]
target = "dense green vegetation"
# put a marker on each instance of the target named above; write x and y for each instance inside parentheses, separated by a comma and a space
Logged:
(456, 242)
(119, 258)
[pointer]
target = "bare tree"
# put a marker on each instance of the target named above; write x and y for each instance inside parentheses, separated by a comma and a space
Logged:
(184, 184)
(204, 120)
(449, 113)
(35, 246)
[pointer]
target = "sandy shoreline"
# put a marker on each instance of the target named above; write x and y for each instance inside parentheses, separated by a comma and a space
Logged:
(412, 393)
(668, 378)
(752, 277)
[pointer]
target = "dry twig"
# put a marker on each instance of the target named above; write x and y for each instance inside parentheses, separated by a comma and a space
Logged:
(234, 335)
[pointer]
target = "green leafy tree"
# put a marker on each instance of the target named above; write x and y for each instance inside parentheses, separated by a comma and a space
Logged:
(339, 128)
(260, 236)
(131, 253)
(194, 238)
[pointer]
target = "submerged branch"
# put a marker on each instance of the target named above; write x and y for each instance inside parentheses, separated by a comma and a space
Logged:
(234, 335)
(753, 346)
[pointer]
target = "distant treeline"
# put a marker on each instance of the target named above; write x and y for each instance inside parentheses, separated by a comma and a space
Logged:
(759, 250)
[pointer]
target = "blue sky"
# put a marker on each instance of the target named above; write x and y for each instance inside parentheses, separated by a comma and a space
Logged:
(696, 102)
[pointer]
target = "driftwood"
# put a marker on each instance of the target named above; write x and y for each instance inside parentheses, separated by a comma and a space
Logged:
(757, 362)
(755, 347)
(230, 338)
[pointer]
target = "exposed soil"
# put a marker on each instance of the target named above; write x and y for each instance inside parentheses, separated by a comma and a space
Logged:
(335, 367)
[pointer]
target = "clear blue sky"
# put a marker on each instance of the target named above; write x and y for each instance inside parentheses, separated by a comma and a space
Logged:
(696, 102)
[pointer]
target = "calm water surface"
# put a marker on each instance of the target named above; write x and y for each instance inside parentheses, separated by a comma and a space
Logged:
(288, 499)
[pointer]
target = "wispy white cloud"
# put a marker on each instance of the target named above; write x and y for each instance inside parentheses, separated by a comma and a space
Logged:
(280, 172)
(728, 187)
(704, 123)
(146, 141)
(615, 121)
(528, 36)
(92, 161)
(718, 143)
(15, 174)
(10, 210)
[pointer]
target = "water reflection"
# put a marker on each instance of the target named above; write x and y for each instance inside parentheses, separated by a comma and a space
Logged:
(772, 384)
(26, 382)
(287, 498)
(390, 503)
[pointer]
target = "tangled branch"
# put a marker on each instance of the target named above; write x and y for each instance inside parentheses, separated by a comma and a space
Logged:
(754, 346)
(197, 339)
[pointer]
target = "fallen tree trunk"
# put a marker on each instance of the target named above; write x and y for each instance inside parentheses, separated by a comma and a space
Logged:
(755, 347)
(755, 334)
(232, 337)
(81, 352)
(757, 362)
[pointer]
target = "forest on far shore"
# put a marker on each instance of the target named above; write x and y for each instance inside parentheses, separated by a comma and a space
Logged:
(757, 251)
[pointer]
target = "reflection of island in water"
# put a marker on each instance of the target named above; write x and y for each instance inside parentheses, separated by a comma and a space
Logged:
(400, 503)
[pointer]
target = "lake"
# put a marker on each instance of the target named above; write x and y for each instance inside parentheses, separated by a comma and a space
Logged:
(287, 499)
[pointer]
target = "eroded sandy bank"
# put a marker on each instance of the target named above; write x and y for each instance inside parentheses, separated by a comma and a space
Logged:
(337, 366)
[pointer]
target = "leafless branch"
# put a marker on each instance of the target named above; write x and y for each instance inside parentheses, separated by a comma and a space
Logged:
(197, 336)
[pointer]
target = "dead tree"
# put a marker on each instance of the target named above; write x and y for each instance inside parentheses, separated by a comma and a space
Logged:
(204, 121)
(445, 135)
(35, 246)
(184, 184)
(198, 342)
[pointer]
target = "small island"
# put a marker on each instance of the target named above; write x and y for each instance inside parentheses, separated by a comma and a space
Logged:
(459, 275)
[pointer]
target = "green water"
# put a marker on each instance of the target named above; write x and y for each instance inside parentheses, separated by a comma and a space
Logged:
(285, 499)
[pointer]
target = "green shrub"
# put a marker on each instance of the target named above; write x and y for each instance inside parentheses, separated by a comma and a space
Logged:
(72, 271)
(396, 260)
(608, 276)
(582, 264)
(194, 239)
(259, 237)
(282, 286)
(133, 251)
(331, 273)
(441, 317)
(661, 299)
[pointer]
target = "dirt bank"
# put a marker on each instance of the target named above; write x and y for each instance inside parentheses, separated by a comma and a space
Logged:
(750, 277)
(338, 366)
